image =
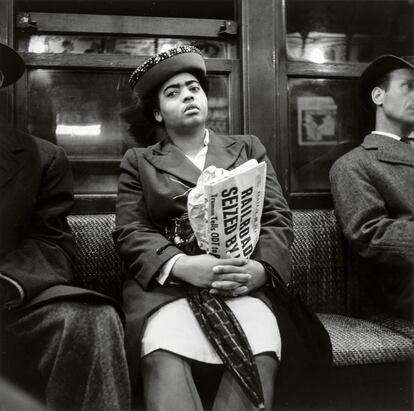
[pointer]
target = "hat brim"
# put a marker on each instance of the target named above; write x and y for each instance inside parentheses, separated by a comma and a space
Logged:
(161, 72)
(378, 68)
(11, 65)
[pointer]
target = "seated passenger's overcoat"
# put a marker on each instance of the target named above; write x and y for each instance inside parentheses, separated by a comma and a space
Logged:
(153, 189)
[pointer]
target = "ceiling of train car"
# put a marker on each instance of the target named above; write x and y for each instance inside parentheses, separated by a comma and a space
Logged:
(165, 8)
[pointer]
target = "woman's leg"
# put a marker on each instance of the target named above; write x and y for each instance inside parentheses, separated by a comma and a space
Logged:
(231, 397)
(168, 383)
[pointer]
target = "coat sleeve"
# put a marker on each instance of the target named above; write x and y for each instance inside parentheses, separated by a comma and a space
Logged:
(142, 247)
(276, 233)
(365, 218)
(45, 256)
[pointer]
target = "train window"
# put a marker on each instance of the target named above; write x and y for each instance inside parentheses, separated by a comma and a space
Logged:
(93, 116)
(323, 31)
(322, 127)
(135, 46)
(326, 44)
(76, 92)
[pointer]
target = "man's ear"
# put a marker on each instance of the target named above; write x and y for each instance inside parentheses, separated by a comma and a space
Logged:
(377, 95)
(157, 115)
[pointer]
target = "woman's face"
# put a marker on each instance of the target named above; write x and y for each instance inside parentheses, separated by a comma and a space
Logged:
(182, 103)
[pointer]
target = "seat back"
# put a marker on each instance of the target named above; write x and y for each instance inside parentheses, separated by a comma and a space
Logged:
(98, 266)
(317, 254)
(318, 260)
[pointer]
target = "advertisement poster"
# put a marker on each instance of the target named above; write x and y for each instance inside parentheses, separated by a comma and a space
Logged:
(316, 120)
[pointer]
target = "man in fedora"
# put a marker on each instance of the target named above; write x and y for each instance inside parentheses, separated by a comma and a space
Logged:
(373, 186)
(66, 341)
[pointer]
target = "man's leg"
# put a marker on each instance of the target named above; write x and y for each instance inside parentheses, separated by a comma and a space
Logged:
(168, 383)
(79, 351)
(230, 396)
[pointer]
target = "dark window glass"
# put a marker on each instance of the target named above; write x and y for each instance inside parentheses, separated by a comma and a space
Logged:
(348, 30)
(80, 110)
(322, 126)
(93, 115)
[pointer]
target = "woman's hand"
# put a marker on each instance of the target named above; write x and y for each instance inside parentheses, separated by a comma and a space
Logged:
(200, 271)
(252, 268)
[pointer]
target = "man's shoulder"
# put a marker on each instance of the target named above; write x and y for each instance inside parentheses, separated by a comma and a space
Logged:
(35, 143)
(351, 158)
(45, 145)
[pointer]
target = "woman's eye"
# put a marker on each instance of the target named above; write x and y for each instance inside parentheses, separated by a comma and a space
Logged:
(171, 93)
(409, 85)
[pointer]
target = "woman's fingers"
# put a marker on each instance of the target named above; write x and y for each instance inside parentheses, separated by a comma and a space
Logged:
(237, 277)
(227, 269)
(225, 285)
(238, 262)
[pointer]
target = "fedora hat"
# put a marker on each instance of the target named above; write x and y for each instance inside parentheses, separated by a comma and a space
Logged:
(159, 68)
(375, 70)
(11, 65)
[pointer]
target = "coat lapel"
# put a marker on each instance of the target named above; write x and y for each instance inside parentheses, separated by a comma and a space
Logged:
(11, 149)
(223, 151)
(390, 150)
(167, 157)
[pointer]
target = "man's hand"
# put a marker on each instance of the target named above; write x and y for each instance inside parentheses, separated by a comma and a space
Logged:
(201, 271)
(228, 274)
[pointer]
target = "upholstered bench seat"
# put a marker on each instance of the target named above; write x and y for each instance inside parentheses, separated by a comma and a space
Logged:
(372, 355)
(398, 325)
(357, 341)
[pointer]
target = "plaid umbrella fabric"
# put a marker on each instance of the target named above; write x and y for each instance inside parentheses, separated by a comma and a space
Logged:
(217, 321)
(225, 334)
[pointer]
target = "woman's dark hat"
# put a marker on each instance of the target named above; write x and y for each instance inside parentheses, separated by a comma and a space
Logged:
(378, 68)
(158, 69)
(11, 65)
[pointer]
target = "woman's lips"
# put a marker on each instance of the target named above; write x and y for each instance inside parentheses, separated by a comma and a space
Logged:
(191, 108)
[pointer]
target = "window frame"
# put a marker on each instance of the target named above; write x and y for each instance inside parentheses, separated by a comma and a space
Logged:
(64, 24)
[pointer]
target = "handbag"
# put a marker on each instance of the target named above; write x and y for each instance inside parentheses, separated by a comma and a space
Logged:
(305, 342)
(303, 335)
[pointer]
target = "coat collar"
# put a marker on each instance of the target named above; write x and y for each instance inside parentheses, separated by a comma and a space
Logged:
(389, 149)
(11, 147)
(223, 151)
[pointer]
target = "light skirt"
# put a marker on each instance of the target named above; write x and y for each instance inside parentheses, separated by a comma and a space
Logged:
(174, 328)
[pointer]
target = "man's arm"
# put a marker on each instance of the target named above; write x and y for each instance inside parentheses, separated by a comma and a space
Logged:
(365, 219)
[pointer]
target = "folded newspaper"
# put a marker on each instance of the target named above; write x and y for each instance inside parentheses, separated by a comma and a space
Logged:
(225, 209)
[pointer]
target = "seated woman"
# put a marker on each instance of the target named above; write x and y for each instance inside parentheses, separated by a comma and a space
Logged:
(165, 332)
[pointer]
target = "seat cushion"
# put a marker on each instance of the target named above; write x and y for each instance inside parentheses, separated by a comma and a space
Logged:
(357, 341)
(398, 325)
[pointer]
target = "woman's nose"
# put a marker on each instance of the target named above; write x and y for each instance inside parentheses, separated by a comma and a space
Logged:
(187, 95)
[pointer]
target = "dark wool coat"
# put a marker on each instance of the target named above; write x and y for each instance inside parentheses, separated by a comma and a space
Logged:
(373, 191)
(36, 246)
(152, 190)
